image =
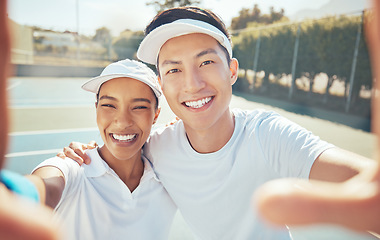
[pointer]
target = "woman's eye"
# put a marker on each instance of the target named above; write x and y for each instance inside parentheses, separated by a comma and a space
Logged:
(206, 62)
(108, 105)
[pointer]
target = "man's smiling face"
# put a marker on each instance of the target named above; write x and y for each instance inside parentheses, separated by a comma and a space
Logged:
(196, 79)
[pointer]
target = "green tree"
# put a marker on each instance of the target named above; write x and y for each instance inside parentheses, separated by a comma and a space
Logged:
(125, 46)
(247, 16)
(162, 5)
(103, 36)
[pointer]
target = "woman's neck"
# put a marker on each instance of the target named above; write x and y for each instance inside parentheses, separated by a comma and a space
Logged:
(129, 171)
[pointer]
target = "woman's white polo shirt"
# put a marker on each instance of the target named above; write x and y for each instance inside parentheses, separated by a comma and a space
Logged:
(96, 204)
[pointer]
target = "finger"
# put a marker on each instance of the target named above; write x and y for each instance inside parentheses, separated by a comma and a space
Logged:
(86, 159)
(61, 155)
(70, 153)
(79, 151)
(92, 144)
(77, 145)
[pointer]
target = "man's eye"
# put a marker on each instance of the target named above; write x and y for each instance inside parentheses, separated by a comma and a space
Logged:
(140, 107)
(172, 71)
(206, 62)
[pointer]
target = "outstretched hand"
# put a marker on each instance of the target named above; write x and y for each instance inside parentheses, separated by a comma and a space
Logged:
(20, 219)
(77, 152)
(354, 204)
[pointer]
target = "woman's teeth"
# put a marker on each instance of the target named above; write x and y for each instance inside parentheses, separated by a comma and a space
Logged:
(124, 137)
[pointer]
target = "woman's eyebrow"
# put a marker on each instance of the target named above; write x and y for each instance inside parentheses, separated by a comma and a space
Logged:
(107, 97)
(141, 100)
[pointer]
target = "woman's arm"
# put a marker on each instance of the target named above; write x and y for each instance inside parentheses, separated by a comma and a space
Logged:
(50, 183)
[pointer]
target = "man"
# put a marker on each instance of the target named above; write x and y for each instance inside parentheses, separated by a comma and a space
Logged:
(214, 158)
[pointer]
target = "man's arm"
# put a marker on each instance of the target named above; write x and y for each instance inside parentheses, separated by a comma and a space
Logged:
(338, 165)
(77, 152)
(50, 183)
(354, 203)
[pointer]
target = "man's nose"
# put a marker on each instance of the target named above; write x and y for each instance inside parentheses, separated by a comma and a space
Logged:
(193, 81)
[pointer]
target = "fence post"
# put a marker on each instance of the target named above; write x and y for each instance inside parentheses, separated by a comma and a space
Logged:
(353, 67)
(294, 63)
(255, 61)
(78, 36)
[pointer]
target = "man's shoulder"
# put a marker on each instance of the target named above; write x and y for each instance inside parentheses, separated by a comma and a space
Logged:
(253, 117)
(166, 133)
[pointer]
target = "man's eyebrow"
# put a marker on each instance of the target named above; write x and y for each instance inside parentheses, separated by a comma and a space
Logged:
(171, 62)
(202, 53)
(205, 52)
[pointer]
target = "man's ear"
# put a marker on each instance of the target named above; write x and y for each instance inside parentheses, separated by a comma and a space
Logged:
(156, 115)
(159, 80)
(234, 69)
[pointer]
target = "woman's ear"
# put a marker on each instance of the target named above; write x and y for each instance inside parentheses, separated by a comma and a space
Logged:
(234, 68)
(156, 115)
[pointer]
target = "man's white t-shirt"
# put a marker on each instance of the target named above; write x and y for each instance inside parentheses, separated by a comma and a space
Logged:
(213, 191)
(96, 204)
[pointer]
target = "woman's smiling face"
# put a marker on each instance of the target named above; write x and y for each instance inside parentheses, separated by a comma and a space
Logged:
(125, 112)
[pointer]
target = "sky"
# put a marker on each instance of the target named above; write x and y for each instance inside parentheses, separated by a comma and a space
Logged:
(119, 15)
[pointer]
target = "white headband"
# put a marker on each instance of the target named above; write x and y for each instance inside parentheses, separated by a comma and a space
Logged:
(152, 43)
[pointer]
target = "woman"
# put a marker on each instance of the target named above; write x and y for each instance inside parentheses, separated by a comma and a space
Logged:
(117, 196)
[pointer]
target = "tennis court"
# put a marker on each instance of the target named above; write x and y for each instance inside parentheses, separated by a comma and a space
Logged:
(48, 113)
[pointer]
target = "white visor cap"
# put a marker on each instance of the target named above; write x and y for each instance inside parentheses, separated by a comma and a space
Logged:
(150, 46)
(125, 68)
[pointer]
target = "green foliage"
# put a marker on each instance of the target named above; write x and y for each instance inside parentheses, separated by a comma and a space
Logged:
(326, 45)
(254, 15)
(125, 46)
(103, 36)
(163, 5)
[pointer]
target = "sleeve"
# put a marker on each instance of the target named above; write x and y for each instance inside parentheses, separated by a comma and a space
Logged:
(289, 148)
(19, 185)
(70, 170)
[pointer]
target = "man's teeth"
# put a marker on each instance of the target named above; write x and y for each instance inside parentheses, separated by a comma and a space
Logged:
(198, 104)
(127, 137)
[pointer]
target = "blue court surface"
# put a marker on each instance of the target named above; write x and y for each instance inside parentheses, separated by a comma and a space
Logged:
(28, 148)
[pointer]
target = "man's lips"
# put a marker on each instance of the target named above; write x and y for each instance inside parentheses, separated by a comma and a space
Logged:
(198, 103)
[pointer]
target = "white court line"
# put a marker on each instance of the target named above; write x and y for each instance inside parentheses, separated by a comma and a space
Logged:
(31, 153)
(13, 85)
(53, 131)
(52, 106)
(48, 151)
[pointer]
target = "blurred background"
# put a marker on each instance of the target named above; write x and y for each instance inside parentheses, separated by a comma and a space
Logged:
(307, 60)
(311, 53)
